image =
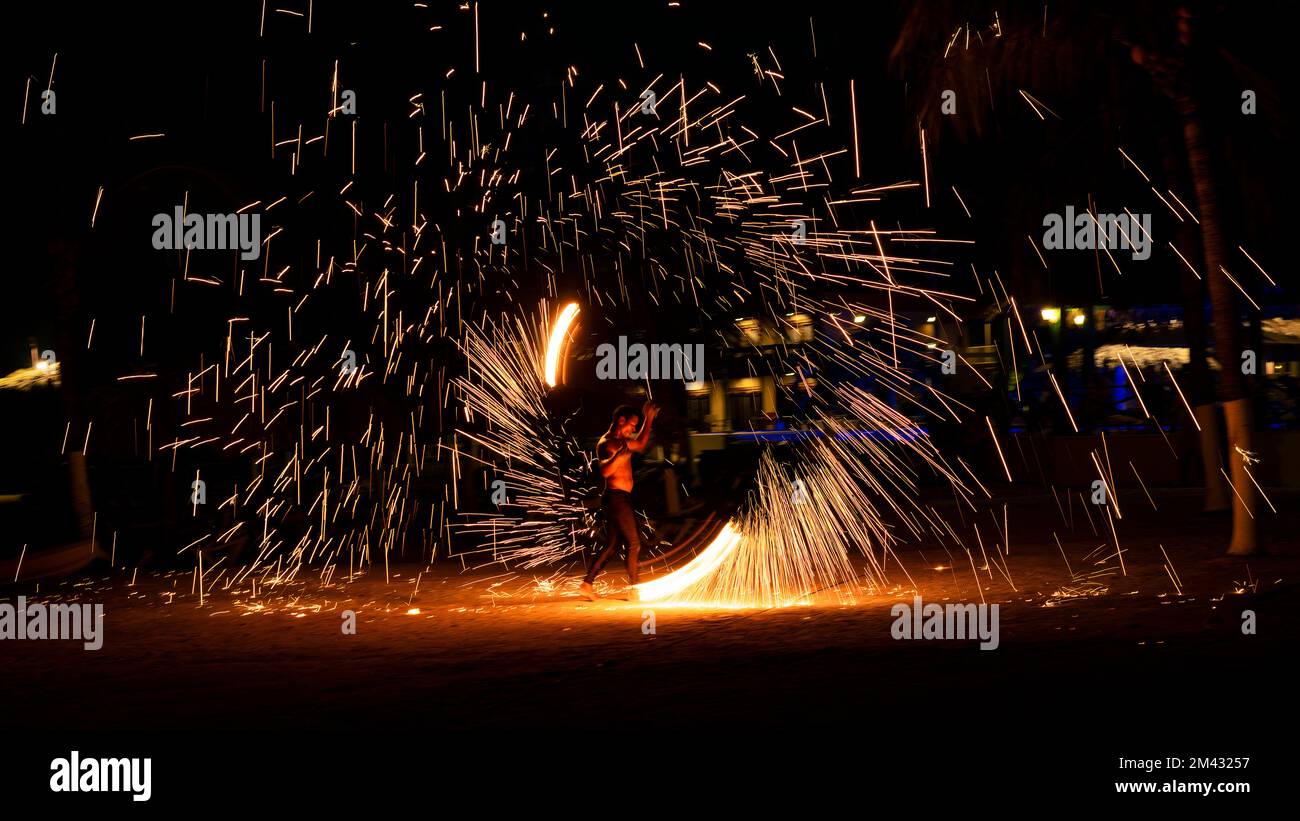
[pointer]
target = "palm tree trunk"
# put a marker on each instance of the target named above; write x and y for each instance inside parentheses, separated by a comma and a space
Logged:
(1227, 334)
(1212, 462)
(1200, 387)
(67, 305)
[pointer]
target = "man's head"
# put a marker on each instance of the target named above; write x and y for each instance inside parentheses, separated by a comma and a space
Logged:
(625, 421)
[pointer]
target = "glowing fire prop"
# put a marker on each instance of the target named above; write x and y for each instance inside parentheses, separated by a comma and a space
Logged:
(698, 569)
(557, 342)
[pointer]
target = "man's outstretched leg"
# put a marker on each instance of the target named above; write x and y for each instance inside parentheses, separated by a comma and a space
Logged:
(623, 519)
(586, 590)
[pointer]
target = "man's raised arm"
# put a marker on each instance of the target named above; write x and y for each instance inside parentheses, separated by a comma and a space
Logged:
(648, 413)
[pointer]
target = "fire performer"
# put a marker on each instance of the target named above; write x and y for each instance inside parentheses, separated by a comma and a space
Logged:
(614, 453)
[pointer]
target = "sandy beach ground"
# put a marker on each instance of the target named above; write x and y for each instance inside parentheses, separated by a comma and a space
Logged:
(1124, 652)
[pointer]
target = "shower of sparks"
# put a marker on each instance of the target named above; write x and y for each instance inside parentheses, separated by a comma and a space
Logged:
(544, 473)
(402, 344)
(791, 542)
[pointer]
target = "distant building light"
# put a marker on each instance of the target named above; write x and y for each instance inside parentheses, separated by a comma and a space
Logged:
(860, 318)
(930, 318)
(1079, 319)
(1051, 314)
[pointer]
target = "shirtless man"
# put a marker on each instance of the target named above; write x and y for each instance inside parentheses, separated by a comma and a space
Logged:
(614, 452)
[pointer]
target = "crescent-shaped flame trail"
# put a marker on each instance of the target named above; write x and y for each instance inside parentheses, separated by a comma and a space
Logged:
(708, 561)
(557, 341)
